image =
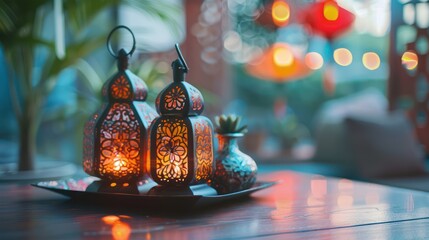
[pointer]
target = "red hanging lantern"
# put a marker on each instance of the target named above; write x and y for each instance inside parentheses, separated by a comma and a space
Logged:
(114, 138)
(328, 19)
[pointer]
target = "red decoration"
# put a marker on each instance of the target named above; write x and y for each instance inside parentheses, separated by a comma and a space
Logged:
(328, 19)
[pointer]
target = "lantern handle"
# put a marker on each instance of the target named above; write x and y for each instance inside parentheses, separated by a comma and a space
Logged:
(109, 46)
(181, 58)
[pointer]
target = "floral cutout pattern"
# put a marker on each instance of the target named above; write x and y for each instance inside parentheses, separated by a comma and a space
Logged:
(197, 101)
(120, 143)
(175, 99)
(171, 150)
(121, 88)
(140, 88)
(204, 151)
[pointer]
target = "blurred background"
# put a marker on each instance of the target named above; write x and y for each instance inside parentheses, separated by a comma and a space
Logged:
(301, 73)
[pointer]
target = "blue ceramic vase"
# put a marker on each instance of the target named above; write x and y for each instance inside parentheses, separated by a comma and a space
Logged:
(235, 170)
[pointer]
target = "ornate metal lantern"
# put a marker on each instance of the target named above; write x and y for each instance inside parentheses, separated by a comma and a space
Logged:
(114, 138)
(181, 141)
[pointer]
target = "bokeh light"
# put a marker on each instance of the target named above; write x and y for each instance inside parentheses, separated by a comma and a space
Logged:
(344, 201)
(121, 231)
(330, 11)
(232, 42)
(282, 56)
(313, 60)
(343, 57)
(371, 60)
(280, 13)
(410, 60)
(110, 219)
(278, 63)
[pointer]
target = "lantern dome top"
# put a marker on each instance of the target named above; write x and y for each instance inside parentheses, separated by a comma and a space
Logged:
(180, 97)
(124, 85)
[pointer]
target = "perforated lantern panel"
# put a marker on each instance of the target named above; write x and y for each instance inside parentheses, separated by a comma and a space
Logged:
(114, 138)
(409, 83)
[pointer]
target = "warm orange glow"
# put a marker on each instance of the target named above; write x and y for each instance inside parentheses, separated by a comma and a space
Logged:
(313, 60)
(172, 151)
(125, 184)
(280, 13)
(371, 60)
(330, 11)
(278, 63)
(121, 231)
(120, 163)
(110, 219)
(113, 184)
(282, 56)
(410, 60)
(343, 57)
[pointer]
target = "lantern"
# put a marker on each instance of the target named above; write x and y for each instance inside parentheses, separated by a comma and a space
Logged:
(328, 19)
(181, 141)
(276, 14)
(114, 138)
(278, 63)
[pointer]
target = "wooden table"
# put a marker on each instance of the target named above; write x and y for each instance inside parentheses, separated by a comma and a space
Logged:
(302, 206)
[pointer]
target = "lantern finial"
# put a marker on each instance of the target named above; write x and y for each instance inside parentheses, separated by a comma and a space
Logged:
(122, 60)
(122, 55)
(179, 66)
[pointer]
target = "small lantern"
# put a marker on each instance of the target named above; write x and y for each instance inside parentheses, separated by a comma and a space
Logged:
(114, 138)
(181, 141)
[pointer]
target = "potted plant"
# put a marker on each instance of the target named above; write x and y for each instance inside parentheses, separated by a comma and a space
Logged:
(234, 170)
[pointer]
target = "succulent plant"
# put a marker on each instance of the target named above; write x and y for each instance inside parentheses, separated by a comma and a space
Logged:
(229, 124)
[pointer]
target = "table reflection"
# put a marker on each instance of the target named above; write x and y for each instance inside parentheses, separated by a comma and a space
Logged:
(300, 206)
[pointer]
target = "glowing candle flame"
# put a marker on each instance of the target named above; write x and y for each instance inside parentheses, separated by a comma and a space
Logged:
(119, 163)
